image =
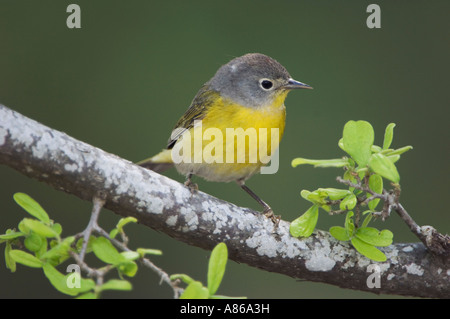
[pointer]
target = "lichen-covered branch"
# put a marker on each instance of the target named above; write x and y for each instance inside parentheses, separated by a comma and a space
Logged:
(202, 220)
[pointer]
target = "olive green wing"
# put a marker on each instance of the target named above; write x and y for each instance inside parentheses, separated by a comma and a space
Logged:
(197, 111)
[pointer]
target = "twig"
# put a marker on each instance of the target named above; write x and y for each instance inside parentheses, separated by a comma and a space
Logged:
(99, 274)
(357, 186)
(164, 277)
(145, 261)
(93, 227)
(438, 243)
(98, 202)
(434, 241)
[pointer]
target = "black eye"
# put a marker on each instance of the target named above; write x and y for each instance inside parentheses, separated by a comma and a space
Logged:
(266, 84)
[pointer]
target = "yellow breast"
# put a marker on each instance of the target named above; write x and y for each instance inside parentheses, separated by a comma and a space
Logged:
(235, 140)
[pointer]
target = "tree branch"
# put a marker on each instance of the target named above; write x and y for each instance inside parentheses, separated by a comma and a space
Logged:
(203, 221)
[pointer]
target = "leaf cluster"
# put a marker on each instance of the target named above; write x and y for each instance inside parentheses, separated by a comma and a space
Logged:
(365, 167)
(40, 245)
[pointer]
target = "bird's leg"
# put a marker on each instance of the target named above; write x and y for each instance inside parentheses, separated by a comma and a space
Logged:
(192, 186)
(267, 211)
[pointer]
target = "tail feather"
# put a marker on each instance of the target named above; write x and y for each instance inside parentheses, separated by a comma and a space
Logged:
(158, 163)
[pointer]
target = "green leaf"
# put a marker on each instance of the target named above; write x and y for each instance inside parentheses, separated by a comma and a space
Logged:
(58, 280)
(10, 263)
(388, 136)
(72, 284)
(393, 158)
(317, 197)
(362, 172)
(11, 235)
(25, 258)
(115, 284)
(305, 193)
(106, 252)
(339, 233)
(349, 225)
(304, 225)
(57, 228)
(184, 278)
(33, 242)
(43, 248)
(113, 233)
(348, 176)
(335, 193)
(148, 251)
(376, 185)
(338, 162)
(368, 250)
(195, 290)
(129, 268)
(39, 228)
(341, 144)
(123, 221)
(130, 255)
(79, 244)
(349, 202)
(31, 206)
(375, 237)
(399, 151)
(381, 165)
(375, 149)
(216, 267)
(23, 229)
(367, 219)
(59, 250)
(327, 208)
(358, 138)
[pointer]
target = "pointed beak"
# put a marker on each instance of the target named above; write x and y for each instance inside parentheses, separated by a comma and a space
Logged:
(293, 84)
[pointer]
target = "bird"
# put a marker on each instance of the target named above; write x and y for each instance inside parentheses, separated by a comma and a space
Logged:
(226, 133)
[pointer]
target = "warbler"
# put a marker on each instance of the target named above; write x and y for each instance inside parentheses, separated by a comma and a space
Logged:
(245, 96)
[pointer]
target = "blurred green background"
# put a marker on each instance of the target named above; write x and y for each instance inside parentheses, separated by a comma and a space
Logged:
(122, 81)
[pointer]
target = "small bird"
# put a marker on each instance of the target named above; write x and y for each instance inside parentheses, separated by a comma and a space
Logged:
(245, 97)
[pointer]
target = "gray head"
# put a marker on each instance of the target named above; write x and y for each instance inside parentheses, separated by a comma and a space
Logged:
(253, 80)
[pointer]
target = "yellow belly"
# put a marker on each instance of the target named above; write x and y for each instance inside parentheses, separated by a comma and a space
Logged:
(231, 142)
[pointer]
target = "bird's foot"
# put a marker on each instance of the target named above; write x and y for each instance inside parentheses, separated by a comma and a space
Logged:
(268, 212)
(193, 187)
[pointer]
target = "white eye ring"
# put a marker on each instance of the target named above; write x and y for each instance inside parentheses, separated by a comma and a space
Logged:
(266, 84)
